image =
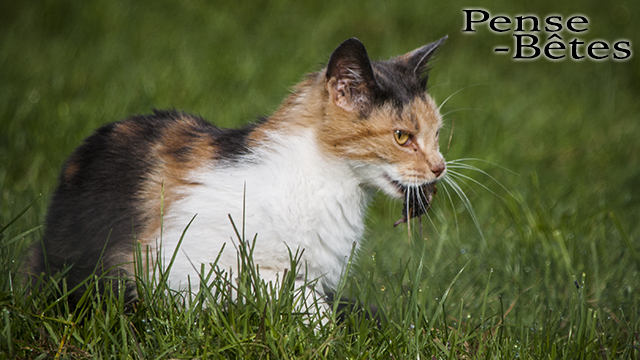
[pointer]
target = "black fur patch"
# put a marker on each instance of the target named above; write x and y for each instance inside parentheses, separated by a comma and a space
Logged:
(230, 144)
(396, 83)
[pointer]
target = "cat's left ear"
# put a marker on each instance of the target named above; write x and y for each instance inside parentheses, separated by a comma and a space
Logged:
(350, 80)
(418, 59)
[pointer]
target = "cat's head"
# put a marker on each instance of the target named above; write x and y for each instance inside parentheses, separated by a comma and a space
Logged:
(380, 118)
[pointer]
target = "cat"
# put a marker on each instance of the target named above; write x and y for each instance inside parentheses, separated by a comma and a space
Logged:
(300, 179)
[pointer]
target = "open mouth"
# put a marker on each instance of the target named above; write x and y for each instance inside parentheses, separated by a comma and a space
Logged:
(417, 199)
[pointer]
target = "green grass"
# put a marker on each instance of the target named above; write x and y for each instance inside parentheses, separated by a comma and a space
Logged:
(550, 268)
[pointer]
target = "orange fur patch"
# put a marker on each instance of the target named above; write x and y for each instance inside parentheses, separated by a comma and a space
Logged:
(181, 148)
(303, 108)
(371, 140)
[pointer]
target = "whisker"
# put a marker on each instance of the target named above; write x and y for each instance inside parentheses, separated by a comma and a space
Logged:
(408, 216)
(455, 164)
(467, 204)
(462, 176)
(460, 179)
(413, 195)
(464, 88)
(456, 161)
(419, 194)
(445, 182)
(461, 109)
(425, 208)
(472, 168)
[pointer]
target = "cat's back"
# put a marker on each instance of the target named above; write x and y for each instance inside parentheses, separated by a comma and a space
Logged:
(113, 186)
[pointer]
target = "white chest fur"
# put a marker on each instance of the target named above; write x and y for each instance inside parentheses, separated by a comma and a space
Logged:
(295, 196)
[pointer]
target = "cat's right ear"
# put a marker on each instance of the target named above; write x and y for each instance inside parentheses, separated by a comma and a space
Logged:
(350, 80)
(419, 60)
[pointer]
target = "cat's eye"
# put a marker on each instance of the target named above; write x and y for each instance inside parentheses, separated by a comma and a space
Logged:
(401, 137)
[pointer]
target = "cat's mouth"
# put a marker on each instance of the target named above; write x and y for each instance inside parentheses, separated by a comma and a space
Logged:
(417, 199)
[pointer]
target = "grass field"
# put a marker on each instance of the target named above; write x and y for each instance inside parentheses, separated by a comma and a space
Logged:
(546, 265)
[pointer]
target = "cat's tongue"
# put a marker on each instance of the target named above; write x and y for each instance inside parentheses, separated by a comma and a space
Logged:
(417, 201)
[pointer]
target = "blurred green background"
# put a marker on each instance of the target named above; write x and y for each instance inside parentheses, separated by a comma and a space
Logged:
(563, 137)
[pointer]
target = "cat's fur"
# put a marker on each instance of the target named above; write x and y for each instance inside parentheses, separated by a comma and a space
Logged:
(305, 175)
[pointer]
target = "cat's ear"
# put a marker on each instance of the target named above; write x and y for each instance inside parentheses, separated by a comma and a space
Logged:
(418, 60)
(350, 80)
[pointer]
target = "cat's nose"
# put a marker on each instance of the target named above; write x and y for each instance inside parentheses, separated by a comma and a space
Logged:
(438, 168)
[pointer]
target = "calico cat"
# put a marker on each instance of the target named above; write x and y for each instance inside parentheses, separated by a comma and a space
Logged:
(301, 178)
